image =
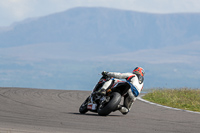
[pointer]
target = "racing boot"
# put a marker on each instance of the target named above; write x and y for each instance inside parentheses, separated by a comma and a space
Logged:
(124, 110)
(118, 108)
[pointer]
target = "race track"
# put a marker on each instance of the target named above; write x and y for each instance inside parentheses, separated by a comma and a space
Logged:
(55, 111)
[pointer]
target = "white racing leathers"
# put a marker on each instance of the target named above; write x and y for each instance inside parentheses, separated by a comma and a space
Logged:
(136, 86)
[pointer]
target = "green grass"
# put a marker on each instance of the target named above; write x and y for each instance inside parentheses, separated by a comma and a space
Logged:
(187, 99)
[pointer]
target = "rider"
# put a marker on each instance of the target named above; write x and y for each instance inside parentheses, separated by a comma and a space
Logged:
(135, 81)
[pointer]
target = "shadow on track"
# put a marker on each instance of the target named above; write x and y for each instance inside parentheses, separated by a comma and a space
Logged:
(94, 114)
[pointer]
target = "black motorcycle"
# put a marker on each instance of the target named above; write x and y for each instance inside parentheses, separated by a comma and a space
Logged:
(105, 104)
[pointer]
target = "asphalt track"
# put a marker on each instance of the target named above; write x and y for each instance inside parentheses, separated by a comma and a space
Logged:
(25, 110)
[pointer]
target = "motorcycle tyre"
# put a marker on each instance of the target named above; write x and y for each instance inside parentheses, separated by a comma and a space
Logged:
(83, 108)
(112, 104)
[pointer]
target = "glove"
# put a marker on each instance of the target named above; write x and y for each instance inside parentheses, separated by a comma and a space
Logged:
(104, 73)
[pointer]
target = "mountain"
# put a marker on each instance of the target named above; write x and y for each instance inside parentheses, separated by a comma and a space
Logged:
(103, 26)
(67, 50)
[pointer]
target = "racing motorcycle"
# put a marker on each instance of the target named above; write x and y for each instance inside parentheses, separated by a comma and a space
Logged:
(105, 104)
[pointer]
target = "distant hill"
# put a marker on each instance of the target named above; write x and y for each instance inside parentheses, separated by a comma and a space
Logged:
(67, 50)
(103, 27)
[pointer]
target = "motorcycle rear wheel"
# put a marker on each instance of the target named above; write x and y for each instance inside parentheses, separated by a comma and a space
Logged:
(115, 99)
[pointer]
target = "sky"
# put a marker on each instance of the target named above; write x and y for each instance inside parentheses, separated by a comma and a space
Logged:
(12, 11)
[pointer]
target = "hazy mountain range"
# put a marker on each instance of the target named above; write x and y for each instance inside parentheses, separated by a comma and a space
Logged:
(67, 50)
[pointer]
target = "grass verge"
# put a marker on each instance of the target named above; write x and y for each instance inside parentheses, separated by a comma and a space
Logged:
(187, 99)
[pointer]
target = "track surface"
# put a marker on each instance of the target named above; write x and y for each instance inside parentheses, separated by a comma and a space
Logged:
(37, 110)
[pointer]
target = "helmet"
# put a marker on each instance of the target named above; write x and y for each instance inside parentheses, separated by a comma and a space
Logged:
(139, 70)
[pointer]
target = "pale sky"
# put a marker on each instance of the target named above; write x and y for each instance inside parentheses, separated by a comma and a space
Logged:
(17, 10)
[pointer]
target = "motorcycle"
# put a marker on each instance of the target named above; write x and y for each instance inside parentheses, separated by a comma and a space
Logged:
(105, 104)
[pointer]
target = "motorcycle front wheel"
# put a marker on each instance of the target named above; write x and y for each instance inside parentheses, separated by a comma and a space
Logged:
(83, 108)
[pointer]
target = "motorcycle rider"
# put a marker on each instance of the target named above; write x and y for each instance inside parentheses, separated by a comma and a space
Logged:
(135, 81)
